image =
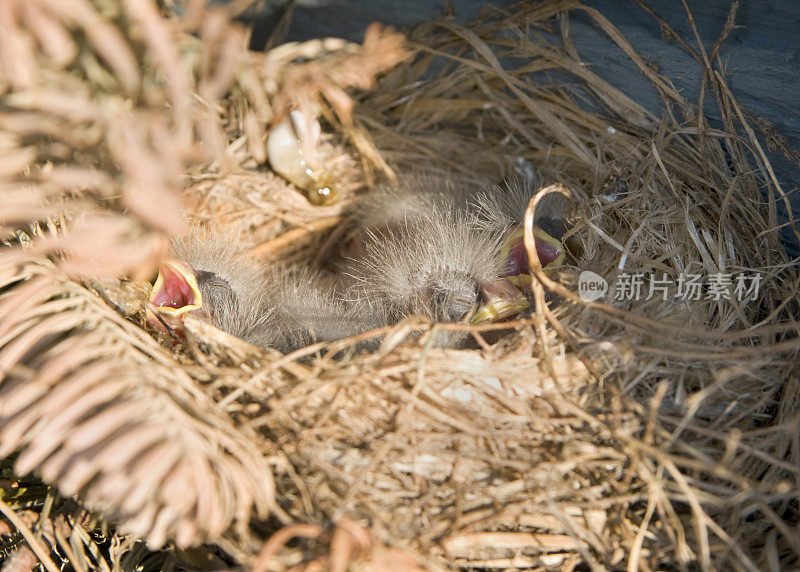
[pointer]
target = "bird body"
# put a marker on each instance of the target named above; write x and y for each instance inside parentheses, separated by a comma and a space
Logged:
(413, 196)
(310, 306)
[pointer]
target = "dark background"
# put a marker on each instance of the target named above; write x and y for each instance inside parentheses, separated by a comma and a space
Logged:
(762, 58)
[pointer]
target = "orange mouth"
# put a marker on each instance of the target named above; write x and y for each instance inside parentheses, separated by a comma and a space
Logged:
(175, 290)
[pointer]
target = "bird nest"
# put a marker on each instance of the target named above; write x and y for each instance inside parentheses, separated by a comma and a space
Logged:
(649, 425)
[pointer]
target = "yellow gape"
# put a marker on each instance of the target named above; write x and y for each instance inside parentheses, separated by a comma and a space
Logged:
(175, 290)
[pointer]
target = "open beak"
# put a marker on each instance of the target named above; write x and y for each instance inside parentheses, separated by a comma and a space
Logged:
(504, 297)
(517, 266)
(175, 290)
(503, 300)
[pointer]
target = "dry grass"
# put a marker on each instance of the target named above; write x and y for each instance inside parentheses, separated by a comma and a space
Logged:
(637, 434)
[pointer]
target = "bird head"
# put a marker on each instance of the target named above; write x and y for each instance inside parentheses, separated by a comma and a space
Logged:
(208, 276)
(451, 252)
(180, 289)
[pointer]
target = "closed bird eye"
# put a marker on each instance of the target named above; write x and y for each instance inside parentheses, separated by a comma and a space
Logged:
(218, 294)
(455, 299)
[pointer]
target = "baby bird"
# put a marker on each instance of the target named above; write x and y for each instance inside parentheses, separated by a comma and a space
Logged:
(207, 274)
(285, 308)
(422, 251)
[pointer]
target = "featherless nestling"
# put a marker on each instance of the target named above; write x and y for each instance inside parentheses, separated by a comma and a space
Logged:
(209, 275)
